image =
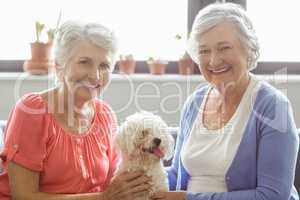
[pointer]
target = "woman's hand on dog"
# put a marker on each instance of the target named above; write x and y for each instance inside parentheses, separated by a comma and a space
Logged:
(127, 186)
(169, 196)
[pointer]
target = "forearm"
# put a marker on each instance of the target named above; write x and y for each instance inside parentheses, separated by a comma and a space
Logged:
(236, 195)
(252, 194)
(48, 196)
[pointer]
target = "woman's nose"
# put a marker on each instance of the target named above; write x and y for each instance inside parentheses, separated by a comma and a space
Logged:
(215, 59)
(94, 75)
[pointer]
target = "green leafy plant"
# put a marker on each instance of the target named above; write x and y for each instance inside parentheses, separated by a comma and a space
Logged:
(183, 53)
(178, 37)
(152, 59)
(39, 27)
(51, 32)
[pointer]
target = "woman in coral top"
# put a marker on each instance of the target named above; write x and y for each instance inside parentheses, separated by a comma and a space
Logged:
(59, 143)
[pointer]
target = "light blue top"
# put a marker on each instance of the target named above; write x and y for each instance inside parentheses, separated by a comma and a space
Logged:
(264, 165)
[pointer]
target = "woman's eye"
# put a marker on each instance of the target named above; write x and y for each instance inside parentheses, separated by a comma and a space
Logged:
(225, 48)
(203, 51)
(83, 61)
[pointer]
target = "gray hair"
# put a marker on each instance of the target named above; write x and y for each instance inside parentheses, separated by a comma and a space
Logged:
(216, 13)
(71, 32)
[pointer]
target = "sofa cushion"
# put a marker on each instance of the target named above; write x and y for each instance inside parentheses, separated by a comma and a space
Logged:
(173, 131)
(2, 126)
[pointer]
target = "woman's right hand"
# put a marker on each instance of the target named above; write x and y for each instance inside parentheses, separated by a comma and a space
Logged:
(127, 186)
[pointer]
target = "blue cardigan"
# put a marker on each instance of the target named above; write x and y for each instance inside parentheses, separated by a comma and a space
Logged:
(264, 165)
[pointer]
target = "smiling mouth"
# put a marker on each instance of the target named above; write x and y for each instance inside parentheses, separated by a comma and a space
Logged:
(90, 85)
(219, 70)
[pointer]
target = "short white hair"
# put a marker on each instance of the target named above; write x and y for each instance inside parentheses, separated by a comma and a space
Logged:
(216, 13)
(71, 33)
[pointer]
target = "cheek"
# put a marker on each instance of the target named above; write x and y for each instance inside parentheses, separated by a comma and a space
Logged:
(203, 70)
(74, 74)
(203, 65)
(238, 57)
(240, 65)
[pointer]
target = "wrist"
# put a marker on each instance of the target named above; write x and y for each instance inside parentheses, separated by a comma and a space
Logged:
(101, 196)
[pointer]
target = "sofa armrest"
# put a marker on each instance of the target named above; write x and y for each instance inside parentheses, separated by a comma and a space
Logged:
(174, 132)
(2, 127)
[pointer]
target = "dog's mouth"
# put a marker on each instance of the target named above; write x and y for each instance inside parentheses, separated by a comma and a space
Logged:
(155, 151)
(154, 148)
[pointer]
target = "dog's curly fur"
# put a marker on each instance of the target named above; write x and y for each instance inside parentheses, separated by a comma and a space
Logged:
(144, 140)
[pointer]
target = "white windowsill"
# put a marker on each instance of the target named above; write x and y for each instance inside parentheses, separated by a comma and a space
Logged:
(145, 77)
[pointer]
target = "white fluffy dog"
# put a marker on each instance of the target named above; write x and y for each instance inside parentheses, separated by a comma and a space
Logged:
(144, 142)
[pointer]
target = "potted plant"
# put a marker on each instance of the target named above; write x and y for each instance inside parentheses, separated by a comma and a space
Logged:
(185, 63)
(127, 64)
(157, 66)
(41, 61)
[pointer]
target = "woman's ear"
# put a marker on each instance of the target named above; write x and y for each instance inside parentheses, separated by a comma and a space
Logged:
(57, 66)
(59, 71)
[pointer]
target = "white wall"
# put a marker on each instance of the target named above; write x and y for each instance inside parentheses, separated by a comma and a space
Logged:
(163, 95)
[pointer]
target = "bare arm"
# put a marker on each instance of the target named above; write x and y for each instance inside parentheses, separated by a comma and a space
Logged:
(24, 185)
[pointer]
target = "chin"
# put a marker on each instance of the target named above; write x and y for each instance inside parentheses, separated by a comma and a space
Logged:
(221, 79)
(86, 94)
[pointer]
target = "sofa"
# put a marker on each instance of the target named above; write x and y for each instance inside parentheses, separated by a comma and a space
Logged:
(2, 126)
(166, 163)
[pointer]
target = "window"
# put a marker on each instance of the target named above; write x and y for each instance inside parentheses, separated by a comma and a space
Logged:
(277, 27)
(145, 28)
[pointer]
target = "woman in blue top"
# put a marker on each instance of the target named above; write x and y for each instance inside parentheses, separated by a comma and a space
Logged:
(237, 139)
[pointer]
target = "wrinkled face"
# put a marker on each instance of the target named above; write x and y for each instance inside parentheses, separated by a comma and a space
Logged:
(87, 72)
(145, 136)
(222, 58)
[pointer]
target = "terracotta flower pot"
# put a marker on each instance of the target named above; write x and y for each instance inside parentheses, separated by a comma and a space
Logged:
(157, 67)
(186, 66)
(126, 65)
(40, 62)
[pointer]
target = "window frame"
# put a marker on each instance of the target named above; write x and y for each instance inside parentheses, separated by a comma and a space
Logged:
(264, 67)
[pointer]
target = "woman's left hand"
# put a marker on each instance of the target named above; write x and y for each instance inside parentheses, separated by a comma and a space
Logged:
(169, 196)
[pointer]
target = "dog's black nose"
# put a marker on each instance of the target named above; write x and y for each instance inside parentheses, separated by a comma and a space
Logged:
(157, 141)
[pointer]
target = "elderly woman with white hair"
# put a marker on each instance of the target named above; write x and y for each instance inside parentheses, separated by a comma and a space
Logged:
(59, 143)
(237, 137)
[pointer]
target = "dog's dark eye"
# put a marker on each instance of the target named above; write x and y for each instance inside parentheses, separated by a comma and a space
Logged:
(144, 132)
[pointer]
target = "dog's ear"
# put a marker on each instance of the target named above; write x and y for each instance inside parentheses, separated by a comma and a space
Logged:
(121, 141)
(124, 140)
